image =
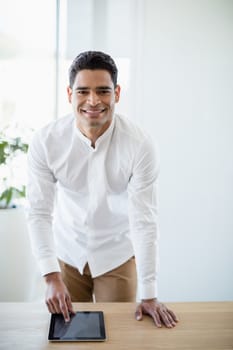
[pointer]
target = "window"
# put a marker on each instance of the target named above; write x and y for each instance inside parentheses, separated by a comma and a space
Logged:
(27, 62)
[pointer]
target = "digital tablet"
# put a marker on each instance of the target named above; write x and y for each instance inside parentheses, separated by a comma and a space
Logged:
(83, 326)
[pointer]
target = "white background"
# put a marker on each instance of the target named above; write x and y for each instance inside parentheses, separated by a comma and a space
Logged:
(176, 68)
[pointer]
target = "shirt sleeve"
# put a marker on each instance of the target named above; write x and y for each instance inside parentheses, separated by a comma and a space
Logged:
(143, 218)
(40, 197)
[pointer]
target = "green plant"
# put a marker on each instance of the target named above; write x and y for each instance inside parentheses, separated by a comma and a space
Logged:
(11, 150)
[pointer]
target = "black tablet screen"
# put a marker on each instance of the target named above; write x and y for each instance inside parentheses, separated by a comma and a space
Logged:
(84, 325)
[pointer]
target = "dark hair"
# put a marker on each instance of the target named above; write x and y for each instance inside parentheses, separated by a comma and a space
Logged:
(93, 60)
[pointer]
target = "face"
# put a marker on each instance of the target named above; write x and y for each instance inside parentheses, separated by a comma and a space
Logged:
(93, 99)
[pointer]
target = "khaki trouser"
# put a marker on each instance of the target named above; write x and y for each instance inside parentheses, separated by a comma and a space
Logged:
(117, 285)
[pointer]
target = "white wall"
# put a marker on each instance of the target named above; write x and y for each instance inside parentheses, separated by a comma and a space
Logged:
(186, 90)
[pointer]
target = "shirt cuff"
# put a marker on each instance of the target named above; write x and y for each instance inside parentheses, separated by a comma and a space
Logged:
(148, 291)
(49, 265)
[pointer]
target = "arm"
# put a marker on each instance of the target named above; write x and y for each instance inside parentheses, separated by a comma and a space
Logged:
(40, 195)
(143, 217)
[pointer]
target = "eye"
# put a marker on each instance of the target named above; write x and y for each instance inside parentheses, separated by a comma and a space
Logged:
(81, 92)
(104, 92)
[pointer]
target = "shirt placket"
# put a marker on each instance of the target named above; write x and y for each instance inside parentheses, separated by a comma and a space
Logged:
(95, 186)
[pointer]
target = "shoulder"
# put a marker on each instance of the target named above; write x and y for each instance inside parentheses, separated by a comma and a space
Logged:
(141, 146)
(129, 129)
(57, 127)
(62, 127)
(131, 133)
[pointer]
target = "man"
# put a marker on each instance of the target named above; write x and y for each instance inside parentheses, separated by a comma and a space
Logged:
(96, 172)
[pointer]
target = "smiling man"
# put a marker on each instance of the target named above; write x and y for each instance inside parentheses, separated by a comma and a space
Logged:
(93, 201)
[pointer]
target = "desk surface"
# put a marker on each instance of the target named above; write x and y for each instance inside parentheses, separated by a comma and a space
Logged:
(208, 326)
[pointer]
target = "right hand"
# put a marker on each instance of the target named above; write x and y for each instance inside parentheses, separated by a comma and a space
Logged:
(57, 296)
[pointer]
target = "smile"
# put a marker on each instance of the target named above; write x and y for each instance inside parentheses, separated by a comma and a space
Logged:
(93, 112)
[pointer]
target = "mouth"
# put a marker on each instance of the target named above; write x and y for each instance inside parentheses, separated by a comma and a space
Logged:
(93, 113)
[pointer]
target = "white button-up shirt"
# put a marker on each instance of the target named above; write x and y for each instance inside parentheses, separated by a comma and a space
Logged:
(95, 205)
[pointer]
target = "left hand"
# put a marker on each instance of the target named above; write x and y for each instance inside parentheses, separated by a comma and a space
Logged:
(158, 311)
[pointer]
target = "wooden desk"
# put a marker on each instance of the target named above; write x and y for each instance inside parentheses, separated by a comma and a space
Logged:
(208, 326)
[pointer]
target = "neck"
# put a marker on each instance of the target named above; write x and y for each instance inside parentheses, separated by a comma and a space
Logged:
(93, 132)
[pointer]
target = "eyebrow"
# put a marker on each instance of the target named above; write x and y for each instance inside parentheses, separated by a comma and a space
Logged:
(83, 88)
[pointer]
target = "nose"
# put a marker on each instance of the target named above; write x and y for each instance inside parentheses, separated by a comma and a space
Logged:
(93, 98)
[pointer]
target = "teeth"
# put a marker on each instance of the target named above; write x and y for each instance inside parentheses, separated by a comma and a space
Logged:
(93, 111)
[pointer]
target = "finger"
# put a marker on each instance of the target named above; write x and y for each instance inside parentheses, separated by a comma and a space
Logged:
(69, 304)
(56, 306)
(156, 318)
(171, 319)
(165, 319)
(50, 307)
(173, 315)
(64, 309)
(138, 313)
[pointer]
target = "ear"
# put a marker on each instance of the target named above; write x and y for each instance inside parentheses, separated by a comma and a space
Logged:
(117, 93)
(69, 93)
